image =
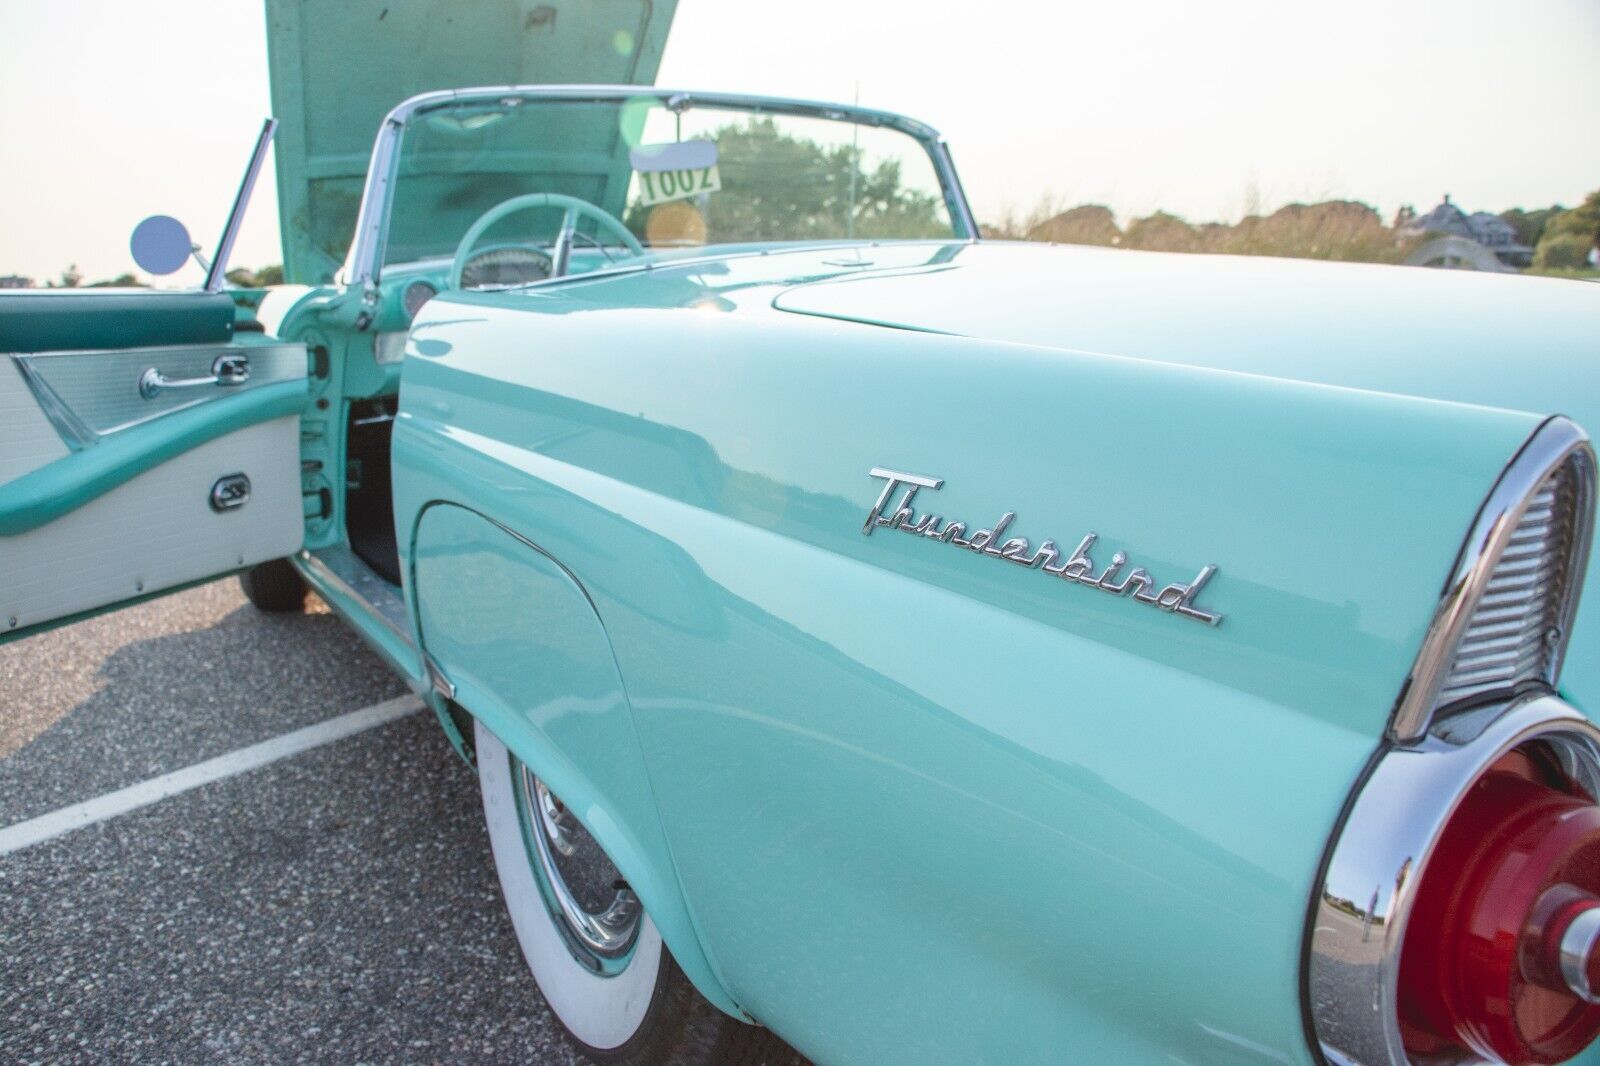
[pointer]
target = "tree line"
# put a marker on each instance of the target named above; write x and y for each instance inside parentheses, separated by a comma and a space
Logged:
(1334, 229)
(1562, 238)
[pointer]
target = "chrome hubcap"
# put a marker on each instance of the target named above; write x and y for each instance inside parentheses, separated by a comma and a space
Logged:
(591, 903)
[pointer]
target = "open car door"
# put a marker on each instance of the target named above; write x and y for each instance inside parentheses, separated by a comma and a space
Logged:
(145, 445)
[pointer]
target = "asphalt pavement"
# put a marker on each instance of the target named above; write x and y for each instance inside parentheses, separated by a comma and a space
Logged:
(336, 905)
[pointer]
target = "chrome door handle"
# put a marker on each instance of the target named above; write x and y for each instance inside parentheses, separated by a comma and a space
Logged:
(225, 370)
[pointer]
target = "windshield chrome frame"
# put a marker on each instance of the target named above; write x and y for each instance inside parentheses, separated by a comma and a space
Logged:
(363, 262)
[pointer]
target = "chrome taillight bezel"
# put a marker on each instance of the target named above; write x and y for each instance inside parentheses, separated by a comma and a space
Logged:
(1388, 834)
(1431, 755)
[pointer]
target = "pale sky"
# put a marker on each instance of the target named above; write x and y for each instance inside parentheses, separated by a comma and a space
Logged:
(111, 110)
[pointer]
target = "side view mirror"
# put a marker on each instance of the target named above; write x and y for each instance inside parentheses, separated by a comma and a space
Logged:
(161, 245)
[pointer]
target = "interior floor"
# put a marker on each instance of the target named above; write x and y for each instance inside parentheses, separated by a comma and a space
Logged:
(368, 495)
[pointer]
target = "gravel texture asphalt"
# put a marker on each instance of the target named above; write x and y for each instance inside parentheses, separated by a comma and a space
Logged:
(337, 906)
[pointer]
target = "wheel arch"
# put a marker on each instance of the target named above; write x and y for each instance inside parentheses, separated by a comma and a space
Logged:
(516, 636)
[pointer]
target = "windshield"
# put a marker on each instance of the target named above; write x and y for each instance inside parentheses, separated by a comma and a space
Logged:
(708, 175)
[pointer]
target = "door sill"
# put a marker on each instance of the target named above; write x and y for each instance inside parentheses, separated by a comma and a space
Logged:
(355, 586)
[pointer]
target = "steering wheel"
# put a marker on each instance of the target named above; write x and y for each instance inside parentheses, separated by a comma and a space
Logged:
(573, 208)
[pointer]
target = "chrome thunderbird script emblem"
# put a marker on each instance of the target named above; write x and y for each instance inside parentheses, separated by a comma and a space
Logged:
(1077, 567)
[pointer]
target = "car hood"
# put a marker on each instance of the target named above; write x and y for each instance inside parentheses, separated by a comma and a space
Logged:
(338, 67)
(1496, 340)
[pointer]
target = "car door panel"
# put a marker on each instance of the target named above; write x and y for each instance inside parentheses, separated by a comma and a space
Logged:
(112, 491)
(159, 530)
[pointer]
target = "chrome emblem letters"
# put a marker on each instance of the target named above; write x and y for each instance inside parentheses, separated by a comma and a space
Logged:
(1077, 567)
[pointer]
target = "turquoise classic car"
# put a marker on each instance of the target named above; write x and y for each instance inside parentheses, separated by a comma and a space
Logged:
(920, 648)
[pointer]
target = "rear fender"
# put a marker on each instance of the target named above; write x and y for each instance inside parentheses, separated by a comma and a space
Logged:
(1076, 801)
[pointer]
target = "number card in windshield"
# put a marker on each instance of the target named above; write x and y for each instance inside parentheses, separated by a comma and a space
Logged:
(675, 171)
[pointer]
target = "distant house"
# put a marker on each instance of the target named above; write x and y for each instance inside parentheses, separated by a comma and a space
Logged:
(1491, 231)
(15, 281)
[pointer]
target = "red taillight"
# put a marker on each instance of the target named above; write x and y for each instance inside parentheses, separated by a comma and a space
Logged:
(1504, 893)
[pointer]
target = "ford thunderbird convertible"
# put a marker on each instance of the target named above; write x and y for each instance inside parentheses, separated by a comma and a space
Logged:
(917, 648)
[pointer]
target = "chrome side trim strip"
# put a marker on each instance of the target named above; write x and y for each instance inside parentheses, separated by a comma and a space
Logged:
(1358, 923)
(440, 684)
(74, 432)
(1552, 444)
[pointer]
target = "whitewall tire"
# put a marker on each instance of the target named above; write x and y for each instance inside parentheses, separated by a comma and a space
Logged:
(596, 955)
(603, 1011)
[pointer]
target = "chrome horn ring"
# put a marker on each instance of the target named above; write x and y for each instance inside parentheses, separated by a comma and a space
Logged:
(591, 904)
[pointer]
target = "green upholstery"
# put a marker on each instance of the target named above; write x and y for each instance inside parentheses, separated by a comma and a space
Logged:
(34, 320)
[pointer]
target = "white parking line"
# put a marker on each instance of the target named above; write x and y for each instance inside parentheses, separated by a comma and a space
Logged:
(66, 819)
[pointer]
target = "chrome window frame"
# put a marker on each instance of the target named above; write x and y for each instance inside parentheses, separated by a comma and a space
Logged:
(363, 263)
(217, 272)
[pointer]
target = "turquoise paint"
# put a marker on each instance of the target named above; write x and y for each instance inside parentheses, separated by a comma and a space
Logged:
(925, 806)
(1497, 340)
(1516, 343)
(46, 494)
(1520, 343)
(899, 801)
(529, 657)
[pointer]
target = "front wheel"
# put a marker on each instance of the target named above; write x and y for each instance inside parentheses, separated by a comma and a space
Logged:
(593, 950)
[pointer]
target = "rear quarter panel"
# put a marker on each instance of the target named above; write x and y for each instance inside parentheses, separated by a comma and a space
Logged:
(924, 806)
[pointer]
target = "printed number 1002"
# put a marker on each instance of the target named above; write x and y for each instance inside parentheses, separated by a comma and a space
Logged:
(659, 186)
